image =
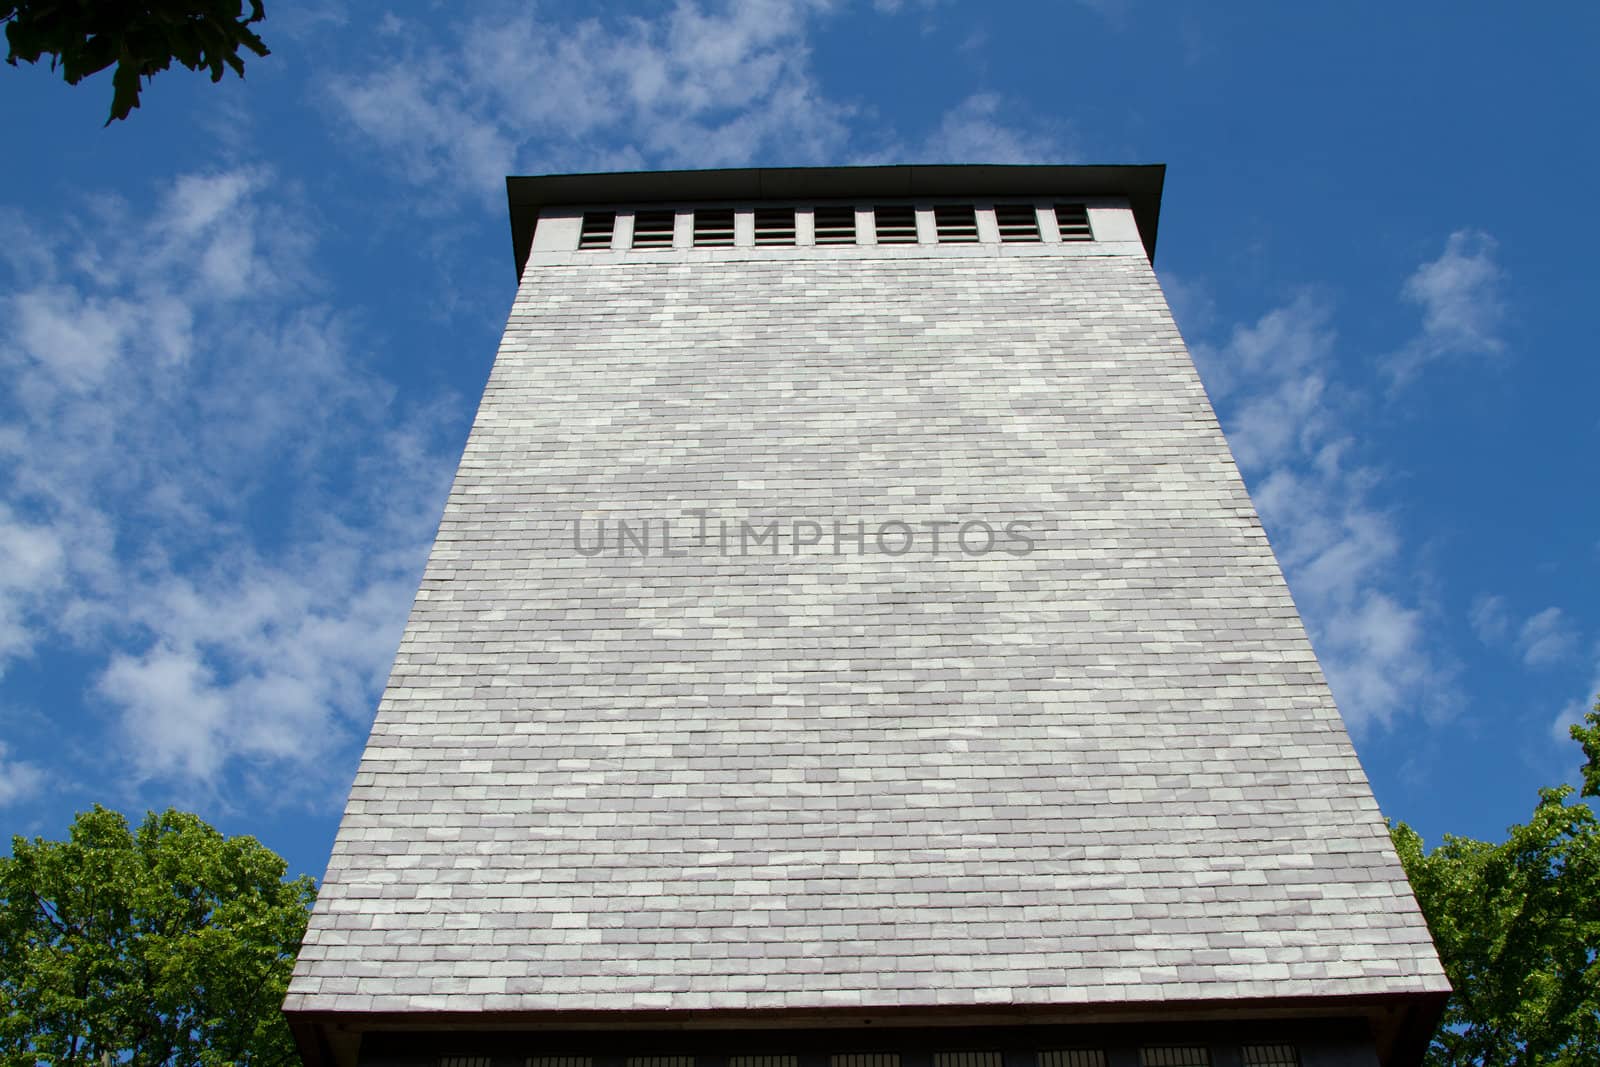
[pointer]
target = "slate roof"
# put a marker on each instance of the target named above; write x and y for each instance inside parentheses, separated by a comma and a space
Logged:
(1106, 770)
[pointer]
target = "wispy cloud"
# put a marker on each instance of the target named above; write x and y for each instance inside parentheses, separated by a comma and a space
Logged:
(1574, 711)
(1490, 618)
(19, 779)
(895, 7)
(206, 490)
(1546, 638)
(1288, 421)
(702, 85)
(1274, 376)
(1543, 638)
(1463, 307)
(1116, 12)
(1288, 424)
(982, 129)
(32, 563)
(699, 86)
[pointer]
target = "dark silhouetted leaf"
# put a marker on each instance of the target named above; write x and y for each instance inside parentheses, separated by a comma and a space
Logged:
(142, 37)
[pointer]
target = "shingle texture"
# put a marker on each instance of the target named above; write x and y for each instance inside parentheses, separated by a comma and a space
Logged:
(1104, 770)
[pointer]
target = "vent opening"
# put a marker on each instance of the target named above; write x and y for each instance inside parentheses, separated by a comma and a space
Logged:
(1017, 222)
(713, 228)
(1073, 1057)
(895, 225)
(835, 225)
(1072, 222)
(968, 1059)
(597, 229)
(653, 229)
(892, 224)
(1175, 1057)
(775, 226)
(1270, 1056)
(865, 1059)
(956, 223)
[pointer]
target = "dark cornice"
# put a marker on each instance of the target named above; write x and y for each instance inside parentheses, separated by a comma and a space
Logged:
(1398, 1024)
(1140, 185)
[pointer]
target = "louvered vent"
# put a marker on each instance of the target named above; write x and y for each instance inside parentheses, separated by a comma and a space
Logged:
(957, 224)
(1073, 1057)
(1175, 1057)
(597, 229)
(653, 229)
(895, 225)
(1270, 1056)
(1072, 222)
(763, 1061)
(968, 1059)
(866, 1059)
(1018, 223)
(560, 1061)
(463, 1061)
(713, 228)
(775, 226)
(835, 225)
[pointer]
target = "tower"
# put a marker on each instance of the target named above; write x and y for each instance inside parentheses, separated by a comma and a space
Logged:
(849, 643)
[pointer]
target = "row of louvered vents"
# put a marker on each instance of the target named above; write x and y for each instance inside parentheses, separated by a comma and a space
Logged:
(1159, 1056)
(894, 225)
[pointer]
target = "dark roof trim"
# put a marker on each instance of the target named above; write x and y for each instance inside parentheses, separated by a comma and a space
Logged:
(1140, 185)
(1400, 1024)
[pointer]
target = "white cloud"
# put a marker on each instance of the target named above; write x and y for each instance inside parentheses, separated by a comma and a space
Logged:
(19, 780)
(1374, 652)
(1287, 423)
(984, 129)
(1491, 620)
(1544, 638)
(1573, 713)
(204, 488)
(32, 561)
(1115, 12)
(1286, 346)
(697, 87)
(895, 7)
(1461, 301)
(1285, 418)
(171, 713)
(257, 661)
(702, 85)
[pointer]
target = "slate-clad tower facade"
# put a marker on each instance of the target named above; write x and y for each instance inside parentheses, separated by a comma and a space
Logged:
(849, 643)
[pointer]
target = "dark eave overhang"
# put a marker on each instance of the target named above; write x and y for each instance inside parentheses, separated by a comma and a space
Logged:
(1399, 1025)
(1140, 185)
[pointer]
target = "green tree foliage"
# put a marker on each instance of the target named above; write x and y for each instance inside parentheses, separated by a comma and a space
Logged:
(1517, 925)
(141, 37)
(1587, 734)
(169, 946)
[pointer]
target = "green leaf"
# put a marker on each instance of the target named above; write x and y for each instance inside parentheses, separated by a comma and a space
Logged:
(169, 945)
(1517, 925)
(1587, 734)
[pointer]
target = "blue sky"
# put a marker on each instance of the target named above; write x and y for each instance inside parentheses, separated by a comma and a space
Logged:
(243, 334)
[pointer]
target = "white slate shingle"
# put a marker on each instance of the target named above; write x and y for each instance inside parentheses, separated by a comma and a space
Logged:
(1105, 770)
